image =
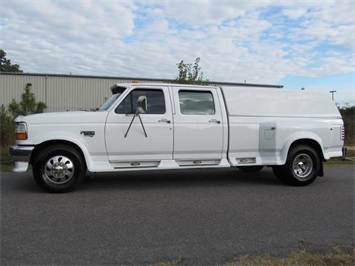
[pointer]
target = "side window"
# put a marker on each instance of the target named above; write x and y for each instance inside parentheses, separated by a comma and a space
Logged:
(196, 102)
(155, 100)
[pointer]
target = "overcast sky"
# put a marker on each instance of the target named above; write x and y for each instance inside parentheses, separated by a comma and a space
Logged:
(295, 43)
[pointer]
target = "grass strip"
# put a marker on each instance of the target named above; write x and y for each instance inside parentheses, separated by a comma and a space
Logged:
(340, 256)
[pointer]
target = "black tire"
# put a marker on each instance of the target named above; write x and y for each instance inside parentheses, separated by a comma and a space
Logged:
(251, 169)
(301, 168)
(59, 169)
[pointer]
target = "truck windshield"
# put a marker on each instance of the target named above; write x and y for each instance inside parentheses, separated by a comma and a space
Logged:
(109, 102)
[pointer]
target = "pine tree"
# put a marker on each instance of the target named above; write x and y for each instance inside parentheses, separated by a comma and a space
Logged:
(27, 105)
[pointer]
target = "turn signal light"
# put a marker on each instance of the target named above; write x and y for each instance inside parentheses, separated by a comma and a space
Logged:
(21, 136)
(21, 131)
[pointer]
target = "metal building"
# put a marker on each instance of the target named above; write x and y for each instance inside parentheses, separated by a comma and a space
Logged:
(76, 92)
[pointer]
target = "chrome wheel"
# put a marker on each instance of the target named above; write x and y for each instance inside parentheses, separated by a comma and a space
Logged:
(58, 170)
(302, 166)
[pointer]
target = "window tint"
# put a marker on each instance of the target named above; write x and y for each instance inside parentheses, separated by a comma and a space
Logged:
(155, 100)
(196, 103)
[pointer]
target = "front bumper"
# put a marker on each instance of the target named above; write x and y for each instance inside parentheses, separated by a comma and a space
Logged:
(21, 156)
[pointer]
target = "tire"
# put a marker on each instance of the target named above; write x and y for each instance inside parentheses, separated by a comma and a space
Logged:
(302, 166)
(251, 169)
(59, 169)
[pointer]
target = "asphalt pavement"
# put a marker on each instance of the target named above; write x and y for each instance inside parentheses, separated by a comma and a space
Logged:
(199, 217)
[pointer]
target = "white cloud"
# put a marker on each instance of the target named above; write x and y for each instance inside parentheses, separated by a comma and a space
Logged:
(294, 13)
(257, 41)
(200, 13)
(68, 21)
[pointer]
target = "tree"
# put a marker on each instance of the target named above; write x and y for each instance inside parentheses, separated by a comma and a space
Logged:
(5, 64)
(27, 105)
(189, 74)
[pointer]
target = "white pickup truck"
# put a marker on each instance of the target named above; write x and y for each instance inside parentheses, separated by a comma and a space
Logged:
(172, 126)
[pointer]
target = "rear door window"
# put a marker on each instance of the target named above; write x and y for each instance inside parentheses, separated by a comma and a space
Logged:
(196, 102)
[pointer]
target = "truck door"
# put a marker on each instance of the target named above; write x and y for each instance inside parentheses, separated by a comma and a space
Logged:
(198, 126)
(134, 148)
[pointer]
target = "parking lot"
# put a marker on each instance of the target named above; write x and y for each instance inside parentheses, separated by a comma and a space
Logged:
(194, 217)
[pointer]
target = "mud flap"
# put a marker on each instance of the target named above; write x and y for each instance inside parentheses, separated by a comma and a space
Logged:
(321, 171)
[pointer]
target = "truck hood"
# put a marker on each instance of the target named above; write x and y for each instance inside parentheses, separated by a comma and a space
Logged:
(64, 118)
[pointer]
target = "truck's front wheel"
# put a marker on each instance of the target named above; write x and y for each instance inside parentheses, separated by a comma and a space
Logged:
(59, 168)
(302, 166)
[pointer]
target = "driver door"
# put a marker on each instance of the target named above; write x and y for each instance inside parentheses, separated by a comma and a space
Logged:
(132, 149)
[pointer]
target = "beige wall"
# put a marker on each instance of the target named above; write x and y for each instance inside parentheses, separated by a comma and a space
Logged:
(67, 92)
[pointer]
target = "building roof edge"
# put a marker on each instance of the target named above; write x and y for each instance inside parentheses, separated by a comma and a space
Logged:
(135, 79)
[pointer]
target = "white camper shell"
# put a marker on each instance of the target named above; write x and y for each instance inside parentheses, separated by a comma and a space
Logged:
(264, 123)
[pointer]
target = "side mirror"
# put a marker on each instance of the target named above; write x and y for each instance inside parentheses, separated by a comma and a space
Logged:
(141, 109)
(142, 105)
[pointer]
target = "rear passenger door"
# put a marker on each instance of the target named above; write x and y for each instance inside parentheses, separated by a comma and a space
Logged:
(198, 127)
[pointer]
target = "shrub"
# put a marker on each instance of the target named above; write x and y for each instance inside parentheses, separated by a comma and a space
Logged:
(7, 127)
(348, 114)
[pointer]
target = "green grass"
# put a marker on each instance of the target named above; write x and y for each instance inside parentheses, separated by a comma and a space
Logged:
(6, 164)
(167, 263)
(341, 255)
(339, 162)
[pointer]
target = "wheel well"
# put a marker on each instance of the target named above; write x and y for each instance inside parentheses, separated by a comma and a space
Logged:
(46, 144)
(309, 142)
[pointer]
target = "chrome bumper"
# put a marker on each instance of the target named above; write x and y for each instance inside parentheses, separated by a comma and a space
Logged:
(21, 156)
(21, 153)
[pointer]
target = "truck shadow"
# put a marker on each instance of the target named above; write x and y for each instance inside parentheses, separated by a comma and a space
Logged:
(167, 179)
(179, 178)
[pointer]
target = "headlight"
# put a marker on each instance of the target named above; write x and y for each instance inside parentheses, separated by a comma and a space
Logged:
(21, 131)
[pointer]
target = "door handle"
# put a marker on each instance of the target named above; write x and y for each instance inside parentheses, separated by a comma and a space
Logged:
(164, 120)
(215, 121)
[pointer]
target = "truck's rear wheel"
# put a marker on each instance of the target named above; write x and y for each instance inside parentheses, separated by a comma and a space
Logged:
(59, 168)
(302, 166)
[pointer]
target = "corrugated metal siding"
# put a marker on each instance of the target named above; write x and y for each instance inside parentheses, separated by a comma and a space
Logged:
(59, 93)
(67, 92)
(11, 87)
(73, 93)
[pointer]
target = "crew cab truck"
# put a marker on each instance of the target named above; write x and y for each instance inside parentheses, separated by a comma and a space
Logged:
(172, 126)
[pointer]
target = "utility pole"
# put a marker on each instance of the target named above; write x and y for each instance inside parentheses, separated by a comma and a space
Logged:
(332, 92)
